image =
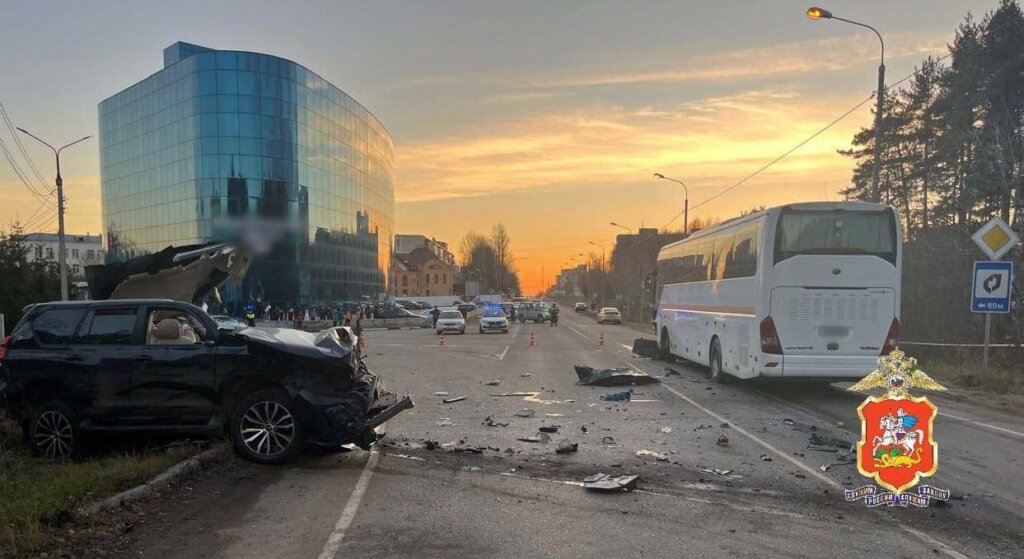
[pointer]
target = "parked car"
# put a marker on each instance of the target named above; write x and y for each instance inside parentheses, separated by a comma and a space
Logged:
(494, 320)
(225, 322)
(507, 308)
(579, 307)
(395, 312)
(609, 314)
(450, 320)
(149, 364)
(537, 312)
(466, 308)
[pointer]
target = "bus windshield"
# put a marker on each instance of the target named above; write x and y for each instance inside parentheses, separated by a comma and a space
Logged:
(835, 232)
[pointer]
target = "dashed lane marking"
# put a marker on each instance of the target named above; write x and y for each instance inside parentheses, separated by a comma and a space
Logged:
(502, 356)
(981, 424)
(349, 512)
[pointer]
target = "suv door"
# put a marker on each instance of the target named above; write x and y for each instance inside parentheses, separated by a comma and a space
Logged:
(175, 385)
(42, 367)
(105, 346)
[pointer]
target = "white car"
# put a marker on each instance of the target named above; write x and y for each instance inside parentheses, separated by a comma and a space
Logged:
(494, 320)
(450, 321)
(609, 314)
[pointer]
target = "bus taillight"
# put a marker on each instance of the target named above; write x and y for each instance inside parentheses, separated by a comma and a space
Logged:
(892, 339)
(770, 342)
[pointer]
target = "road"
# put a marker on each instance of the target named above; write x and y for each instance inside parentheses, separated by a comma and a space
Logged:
(426, 492)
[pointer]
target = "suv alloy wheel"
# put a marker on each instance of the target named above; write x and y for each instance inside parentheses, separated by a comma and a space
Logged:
(265, 428)
(53, 432)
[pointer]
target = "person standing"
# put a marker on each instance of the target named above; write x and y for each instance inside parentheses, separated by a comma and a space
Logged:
(436, 312)
(348, 316)
(554, 314)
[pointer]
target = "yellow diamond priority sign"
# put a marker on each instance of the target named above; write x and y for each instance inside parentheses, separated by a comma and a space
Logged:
(995, 238)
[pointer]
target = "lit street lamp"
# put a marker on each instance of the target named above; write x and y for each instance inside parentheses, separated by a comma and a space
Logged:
(613, 224)
(815, 13)
(62, 264)
(686, 201)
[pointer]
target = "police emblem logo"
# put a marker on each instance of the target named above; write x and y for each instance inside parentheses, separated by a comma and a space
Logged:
(896, 448)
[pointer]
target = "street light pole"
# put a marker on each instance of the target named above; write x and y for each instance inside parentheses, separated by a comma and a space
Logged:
(686, 201)
(613, 224)
(603, 270)
(815, 13)
(61, 259)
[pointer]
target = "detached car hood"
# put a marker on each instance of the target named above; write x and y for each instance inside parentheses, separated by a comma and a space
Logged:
(336, 343)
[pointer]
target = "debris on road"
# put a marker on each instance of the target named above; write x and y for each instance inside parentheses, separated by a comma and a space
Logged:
(617, 396)
(441, 393)
(766, 458)
(789, 421)
(607, 440)
(665, 430)
(490, 422)
(538, 438)
(525, 412)
(583, 428)
(524, 375)
(621, 376)
(453, 400)
(566, 447)
(826, 444)
(840, 424)
(610, 483)
(724, 426)
(445, 422)
(722, 440)
(642, 347)
(548, 429)
(716, 471)
(511, 394)
(669, 372)
(493, 382)
(650, 453)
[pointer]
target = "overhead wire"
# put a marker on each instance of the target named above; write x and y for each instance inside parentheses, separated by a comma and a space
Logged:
(21, 147)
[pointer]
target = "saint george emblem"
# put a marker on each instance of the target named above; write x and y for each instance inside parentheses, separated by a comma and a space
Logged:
(896, 448)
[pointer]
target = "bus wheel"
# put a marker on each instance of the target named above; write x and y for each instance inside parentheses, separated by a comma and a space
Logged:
(663, 348)
(718, 376)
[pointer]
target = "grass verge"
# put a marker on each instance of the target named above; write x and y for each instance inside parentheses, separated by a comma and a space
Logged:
(39, 497)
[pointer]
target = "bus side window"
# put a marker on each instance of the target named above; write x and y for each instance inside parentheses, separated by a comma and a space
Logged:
(723, 252)
(743, 260)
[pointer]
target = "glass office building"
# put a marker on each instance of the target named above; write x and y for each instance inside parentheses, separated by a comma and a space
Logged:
(221, 138)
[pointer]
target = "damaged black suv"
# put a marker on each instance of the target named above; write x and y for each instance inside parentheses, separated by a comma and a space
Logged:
(162, 365)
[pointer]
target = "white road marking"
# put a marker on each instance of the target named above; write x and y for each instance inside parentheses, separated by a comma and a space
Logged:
(516, 333)
(980, 424)
(628, 348)
(932, 541)
(578, 333)
(502, 356)
(936, 544)
(349, 512)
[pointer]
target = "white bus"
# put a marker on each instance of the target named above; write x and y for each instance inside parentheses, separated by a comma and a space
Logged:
(803, 290)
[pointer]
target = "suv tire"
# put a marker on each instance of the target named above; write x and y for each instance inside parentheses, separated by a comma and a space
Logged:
(265, 428)
(53, 432)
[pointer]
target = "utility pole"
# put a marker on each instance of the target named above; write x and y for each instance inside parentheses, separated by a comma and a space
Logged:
(61, 258)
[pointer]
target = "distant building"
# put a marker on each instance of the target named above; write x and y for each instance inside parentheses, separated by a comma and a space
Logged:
(218, 141)
(80, 250)
(634, 257)
(569, 281)
(421, 273)
(405, 244)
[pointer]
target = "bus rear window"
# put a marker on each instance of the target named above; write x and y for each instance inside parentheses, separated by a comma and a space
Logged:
(835, 232)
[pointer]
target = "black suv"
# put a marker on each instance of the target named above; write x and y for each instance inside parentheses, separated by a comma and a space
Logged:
(161, 365)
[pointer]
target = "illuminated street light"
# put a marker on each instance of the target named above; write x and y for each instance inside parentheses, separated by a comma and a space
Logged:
(686, 201)
(815, 13)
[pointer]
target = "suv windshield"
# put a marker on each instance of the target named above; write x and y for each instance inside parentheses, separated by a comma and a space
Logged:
(835, 232)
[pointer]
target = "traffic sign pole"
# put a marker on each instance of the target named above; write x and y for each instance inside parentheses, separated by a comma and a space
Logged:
(984, 353)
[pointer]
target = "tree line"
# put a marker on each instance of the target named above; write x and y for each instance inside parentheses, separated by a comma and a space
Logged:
(489, 261)
(953, 136)
(23, 282)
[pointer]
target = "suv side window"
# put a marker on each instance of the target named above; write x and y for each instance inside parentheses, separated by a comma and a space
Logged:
(56, 326)
(166, 326)
(110, 327)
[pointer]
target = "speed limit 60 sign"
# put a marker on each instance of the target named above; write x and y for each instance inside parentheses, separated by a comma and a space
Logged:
(991, 292)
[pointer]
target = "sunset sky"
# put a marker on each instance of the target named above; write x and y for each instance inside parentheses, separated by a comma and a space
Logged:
(549, 117)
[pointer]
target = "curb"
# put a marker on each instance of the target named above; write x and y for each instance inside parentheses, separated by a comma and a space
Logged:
(176, 471)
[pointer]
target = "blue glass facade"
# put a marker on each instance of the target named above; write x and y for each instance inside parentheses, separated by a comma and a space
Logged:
(224, 136)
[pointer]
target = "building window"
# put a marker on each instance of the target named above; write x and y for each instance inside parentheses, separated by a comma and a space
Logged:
(444, 279)
(90, 254)
(49, 252)
(75, 269)
(435, 278)
(428, 293)
(39, 252)
(74, 253)
(405, 292)
(405, 282)
(428, 279)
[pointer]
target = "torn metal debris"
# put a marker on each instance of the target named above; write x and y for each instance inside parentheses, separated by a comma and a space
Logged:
(538, 438)
(566, 447)
(453, 400)
(490, 422)
(617, 396)
(610, 483)
(621, 376)
(642, 347)
(660, 457)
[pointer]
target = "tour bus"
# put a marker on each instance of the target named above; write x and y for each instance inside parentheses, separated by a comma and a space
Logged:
(802, 290)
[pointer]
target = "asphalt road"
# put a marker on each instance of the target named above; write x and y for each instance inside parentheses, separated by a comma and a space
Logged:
(444, 484)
